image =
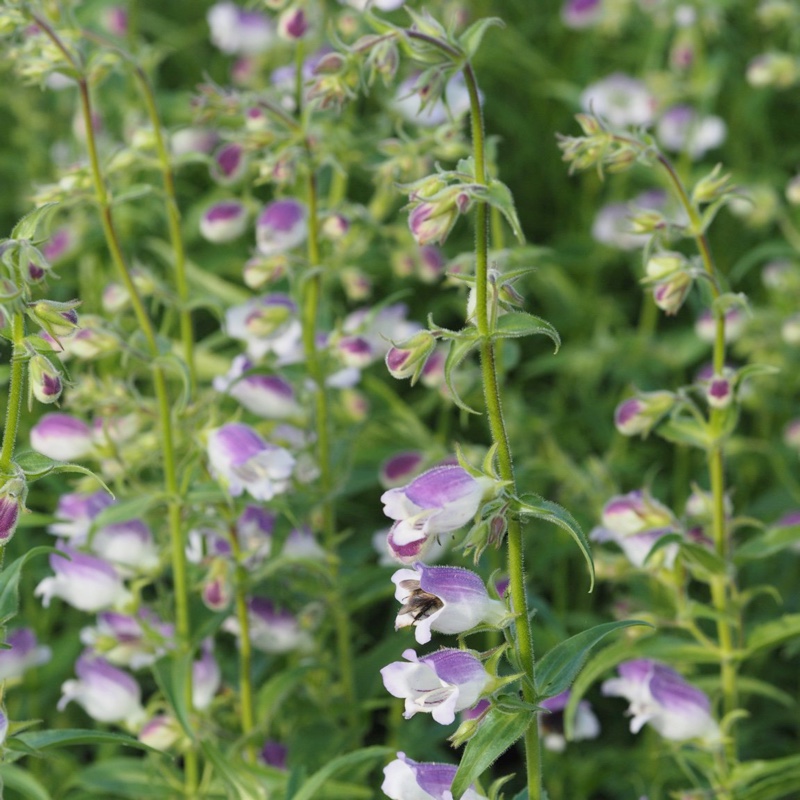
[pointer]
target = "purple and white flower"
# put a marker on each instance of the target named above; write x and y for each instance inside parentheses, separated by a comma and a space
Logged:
(237, 31)
(23, 653)
(12, 501)
(454, 104)
(406, 779)
(206, 677)
(441, 500)
(85, 582)
(444, 599)
(441, 684)
(267, 396)
(75, 513)
(661, 697)
(636, 521)
(682, 129)
(160, 732)
(62, 437)
(399, 468)
(613, 224)
(578, 14)
(129, 545)
(129, 641)
(641, 413)
(282, 225)
(274, 754)
(586, 724)
(267, 324)
(228, 163)
(242, 461)
(272, 630)
(106, 694)
(621, 100)
(223, 222)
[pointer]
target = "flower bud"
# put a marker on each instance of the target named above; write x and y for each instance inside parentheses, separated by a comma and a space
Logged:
(44, 379)
(408, 359)
(61, 437)
(669, 295)
(223, 222)
(790, 330)
(259, 271)
(161, 732)
(58, 319)
(719, 392)
(228, 164)
(11, 500)
(431, 223)
(93, 340)
(281, 226)
(640, 414)
(664, 265)
(292, 24)
(773, 69)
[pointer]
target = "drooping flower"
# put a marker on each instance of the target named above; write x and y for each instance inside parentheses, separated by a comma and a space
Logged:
(636, 521)
(641, 413)
(228, 164)
(661, 697)
(281, 226)
(406, 779)
(85, 582)
(61, 437)
(12, 496)
(443, 599)
(441, 684)
(23, 653)
(586, 724)
(242, 461)
(441, 500)
(106, 694)
(399, 468)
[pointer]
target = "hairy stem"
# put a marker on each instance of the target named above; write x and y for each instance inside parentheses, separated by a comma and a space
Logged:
(18, 358)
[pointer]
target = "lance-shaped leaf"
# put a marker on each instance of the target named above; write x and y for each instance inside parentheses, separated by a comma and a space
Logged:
(459, 349)
(9, 582)
(499, 195)
(498, 731)
(27, 227)
(36, 465)
(516, 324)
(531, 505)
(557, 670)
(470, 40)
(771, 634)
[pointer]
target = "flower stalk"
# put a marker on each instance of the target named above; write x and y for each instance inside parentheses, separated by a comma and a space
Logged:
(18, 358)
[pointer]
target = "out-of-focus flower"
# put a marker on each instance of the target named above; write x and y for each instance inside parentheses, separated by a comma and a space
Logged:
(274, 754)
(578, 14)
(267, 396)
(237, 31)
(223, 222)
(444, 599)
(586, 725)
(107, 694)
(406, 779)
(400, 468)
(129, 641)
(75, 513)
(85, 582)
(408, 103)
(23, 653)
(62, 437)
(661, 697)
(242, 461)
(381, 5)
(636, 521)
(267, 324)
(228, 163)
(706, 325)
(641, 413)
(282, 225)
(193, 140)
(115, 20)
(682, 129)
(128, 545)
(440, 500)
(791, 434)
(780, 70)
(293, 24)
(272, 630)
(621, 100)
(613, 224)
(441, 684)
(206, 677)
(160, 732)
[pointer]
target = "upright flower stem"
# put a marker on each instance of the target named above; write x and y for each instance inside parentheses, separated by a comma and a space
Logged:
(18, 358)
(245, 649)
(177, 544)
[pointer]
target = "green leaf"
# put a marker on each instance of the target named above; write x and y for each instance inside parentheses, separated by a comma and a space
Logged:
(772, 541)
(9, 582)
(497, 194)
(130, 778)
(320, 778)
(35, 466)
(68, 737)
(767, 780)
(136, 192)
(515, 324)
(470, 40)
(494, 736)
(557, 670)
(125, 510)
(534, 506)
(770, 634)
(21, 781)
(685, 430)
(701, 561)
(459, 350)
(173, 363)
(26, 228)
(172, 675)
(240, 784)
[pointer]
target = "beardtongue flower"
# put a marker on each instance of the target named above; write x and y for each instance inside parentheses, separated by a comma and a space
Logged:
(44, 379)
(272, 630)
(281, 226)
(641, 413)
(160, 732)
(586, 724)
(620, 99)
(444, 599)
(407, 360)
(85, 582)
(397, 469)
(661, 697)
(577, 14)
(206, 677)
(228, 163)
(236, 31)
(12, 495)
(441, 684)
(106, 693)
(75, 513)
(406, 779)
(129, 641)
(268, 324)
(440, 500)
(23, 653)
(267, 396)
(61, 437)
(274, 754)
(223, 222)
(242, 461)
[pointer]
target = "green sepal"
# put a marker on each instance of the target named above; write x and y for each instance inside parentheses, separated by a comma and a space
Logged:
(470, 40)
(557, 670)
(27, 227)
(515, 324)
(498, 195)
(680, 429)
(498, 731)
(459, 349)
(531, 505)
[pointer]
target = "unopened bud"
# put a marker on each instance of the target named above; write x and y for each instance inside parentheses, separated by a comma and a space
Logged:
(260, 271)
(292, 24)
(712, 186)
(669, 295)
(719, 392)
(408, 359)
(664, 265)
(44, 379)
(640, 414)
(58, 319)
(12, 494)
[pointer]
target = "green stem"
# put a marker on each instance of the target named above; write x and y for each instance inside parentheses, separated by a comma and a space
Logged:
(19, 356)
(174, 226)
(245, 650)
(177, 544)
(516, 570)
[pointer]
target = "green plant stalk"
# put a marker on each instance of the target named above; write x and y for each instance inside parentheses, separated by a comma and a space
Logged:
(312, 291)
(523, 640)
(18, 358)
(174, 226)
(177, 544)
(245, 649)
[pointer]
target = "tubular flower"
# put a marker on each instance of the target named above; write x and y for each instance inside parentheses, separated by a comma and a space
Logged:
(405, 779)
(443, 599)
